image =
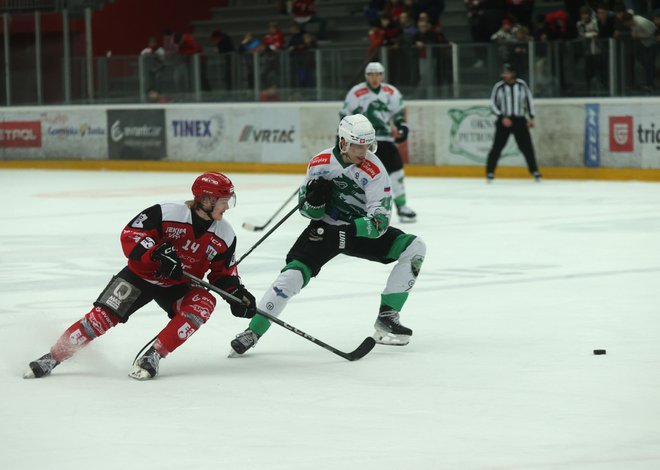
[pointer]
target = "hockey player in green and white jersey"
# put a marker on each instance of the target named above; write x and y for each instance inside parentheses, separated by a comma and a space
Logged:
(347, 195)
(382, 104)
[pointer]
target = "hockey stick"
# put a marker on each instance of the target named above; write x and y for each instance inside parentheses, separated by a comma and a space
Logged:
(289, 214)
(258, 228)
(361, 351)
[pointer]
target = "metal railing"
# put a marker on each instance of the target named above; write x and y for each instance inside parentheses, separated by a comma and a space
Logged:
(553, 69)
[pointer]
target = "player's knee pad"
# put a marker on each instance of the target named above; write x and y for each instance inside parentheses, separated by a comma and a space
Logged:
(196, 306)
(289, 283)
(97, 321)
(119, 297)
(414, 254)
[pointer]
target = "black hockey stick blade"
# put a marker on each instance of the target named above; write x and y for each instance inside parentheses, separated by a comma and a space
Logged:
(362, 350)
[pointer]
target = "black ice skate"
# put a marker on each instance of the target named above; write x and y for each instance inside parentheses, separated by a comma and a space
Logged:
(146, 366)
(406, 214)
(389, 329)
(41, 367)
(245, 340)
(537, 176)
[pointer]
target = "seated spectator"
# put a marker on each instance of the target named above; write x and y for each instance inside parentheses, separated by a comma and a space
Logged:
(411, 8)
(274, 39)
(433, 8)
(222, 41)
(169, 46)
(249, 44)
(621, 30)
(605, 19)
(558, 28)
(506, 39)
(304, 12)
(372, 12)
(506, 33)
(187, 44)
(225, 46)
(270, 94)
(153, 48)
(407, 26)
(297, 38)
(387, 34)
(393, 9)
(587, 29)
(521, 10)
(485, 18)
(644, 31)
(154, 97)
(152, 58)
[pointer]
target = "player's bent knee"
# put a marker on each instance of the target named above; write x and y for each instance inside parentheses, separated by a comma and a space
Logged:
(97, 321)
(196, 306)
(415, 254)
(289, 283)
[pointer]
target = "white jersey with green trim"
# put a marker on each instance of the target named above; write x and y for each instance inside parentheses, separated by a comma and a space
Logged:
(359, 192)
(380, 106)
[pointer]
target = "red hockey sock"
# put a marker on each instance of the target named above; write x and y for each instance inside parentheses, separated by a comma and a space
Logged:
(95, 323)
(175, 333)
(192, 311)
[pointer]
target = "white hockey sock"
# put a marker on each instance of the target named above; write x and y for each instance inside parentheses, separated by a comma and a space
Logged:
(404, 273)
(287, 284)
(398, 187)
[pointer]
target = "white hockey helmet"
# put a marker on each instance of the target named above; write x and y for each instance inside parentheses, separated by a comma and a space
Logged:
(356, 129)
(374, 67)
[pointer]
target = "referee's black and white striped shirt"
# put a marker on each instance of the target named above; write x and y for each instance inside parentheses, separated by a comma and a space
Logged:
(512, 100)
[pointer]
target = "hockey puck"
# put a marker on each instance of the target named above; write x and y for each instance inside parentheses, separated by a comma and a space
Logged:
(599, 352)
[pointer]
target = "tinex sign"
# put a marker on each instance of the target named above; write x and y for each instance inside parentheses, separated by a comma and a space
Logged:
(20, 134)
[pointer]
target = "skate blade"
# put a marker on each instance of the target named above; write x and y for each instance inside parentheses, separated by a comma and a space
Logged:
(407, 220)
(29, 374)
(390, 339)
(138, 373)
(233, 354)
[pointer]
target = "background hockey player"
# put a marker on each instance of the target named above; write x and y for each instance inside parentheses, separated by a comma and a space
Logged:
(160, 243)
(347, 195)
(382, 104)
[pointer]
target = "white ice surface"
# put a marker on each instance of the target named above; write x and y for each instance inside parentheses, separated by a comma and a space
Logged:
(521, 282)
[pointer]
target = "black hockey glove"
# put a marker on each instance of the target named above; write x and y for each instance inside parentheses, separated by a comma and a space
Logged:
(170, 264)
(319, 192)
(337, 236)
(402, 128)
(248, 307)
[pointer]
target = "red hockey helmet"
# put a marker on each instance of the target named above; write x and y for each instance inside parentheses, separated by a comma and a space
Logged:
(212, 184)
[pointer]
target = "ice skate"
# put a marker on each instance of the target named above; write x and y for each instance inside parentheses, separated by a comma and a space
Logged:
(389, 329)
(245, 340)
(146, 366)
(41, 367)
(490, 177)
(406, 214)
(537, 176)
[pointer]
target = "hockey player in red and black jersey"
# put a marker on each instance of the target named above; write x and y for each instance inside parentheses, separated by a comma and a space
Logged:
(160, 243)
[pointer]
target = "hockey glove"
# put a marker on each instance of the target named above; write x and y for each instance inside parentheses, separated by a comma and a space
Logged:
(248, 306)
(319, 192)
(170, 264)
(337, 236)
(402, 129)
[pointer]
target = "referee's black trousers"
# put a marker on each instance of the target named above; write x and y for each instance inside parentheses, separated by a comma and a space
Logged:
(523, 139)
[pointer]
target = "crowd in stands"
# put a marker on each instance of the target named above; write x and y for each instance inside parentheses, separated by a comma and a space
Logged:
(404, 28)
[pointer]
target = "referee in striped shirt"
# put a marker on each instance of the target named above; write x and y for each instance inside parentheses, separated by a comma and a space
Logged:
(511, 101)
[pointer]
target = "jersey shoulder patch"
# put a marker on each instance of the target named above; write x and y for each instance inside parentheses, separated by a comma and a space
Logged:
(388, 89)
(361, 91)
(369, 168)
(320, 159)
